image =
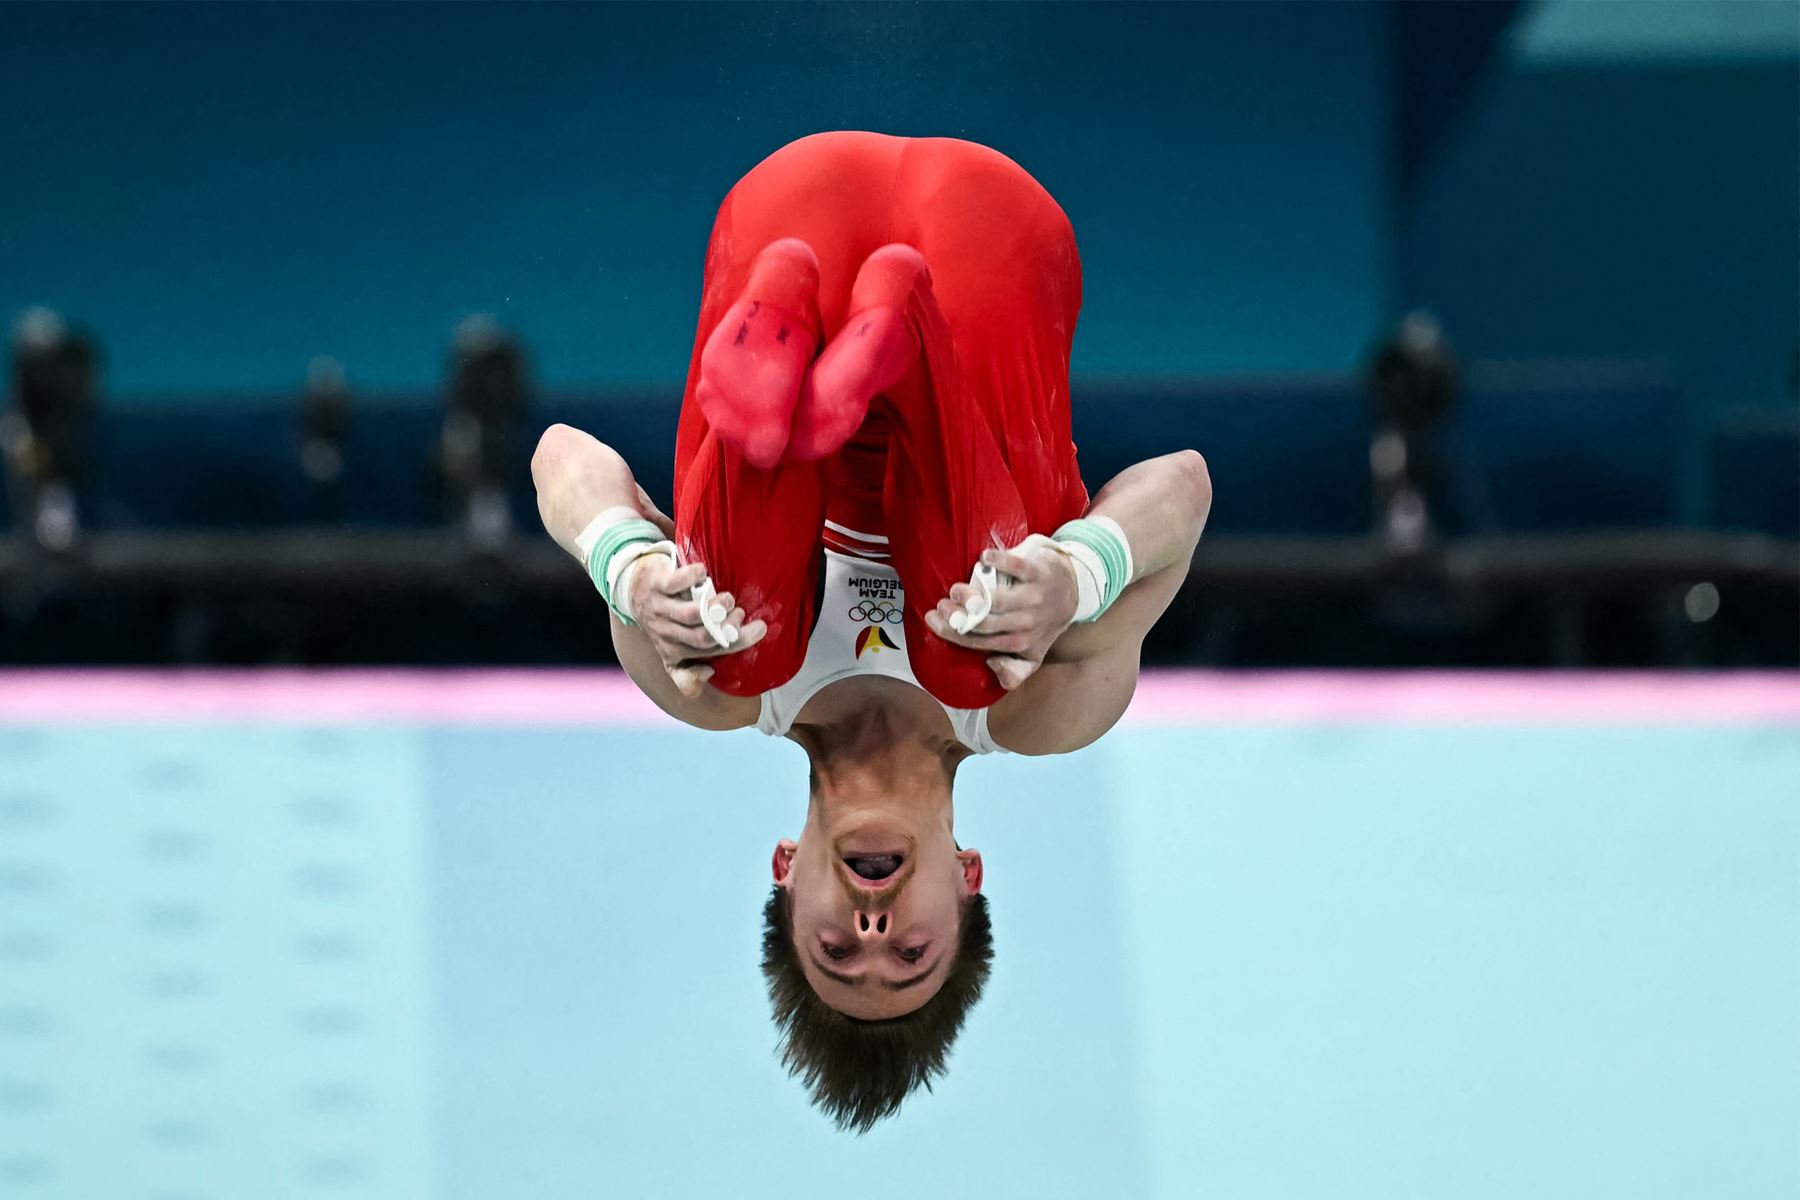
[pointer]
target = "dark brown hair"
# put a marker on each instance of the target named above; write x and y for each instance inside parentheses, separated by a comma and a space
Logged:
(859, 1071)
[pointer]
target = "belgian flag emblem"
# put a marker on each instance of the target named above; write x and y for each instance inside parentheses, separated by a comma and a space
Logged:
(874, 641)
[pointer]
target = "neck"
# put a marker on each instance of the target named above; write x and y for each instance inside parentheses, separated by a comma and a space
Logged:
(871, 718)
(884, 751)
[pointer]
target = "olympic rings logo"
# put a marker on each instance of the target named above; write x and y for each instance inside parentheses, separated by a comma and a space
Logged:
(878, 611)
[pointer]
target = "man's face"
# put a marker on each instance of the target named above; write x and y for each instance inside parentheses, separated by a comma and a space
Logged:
(876, 913)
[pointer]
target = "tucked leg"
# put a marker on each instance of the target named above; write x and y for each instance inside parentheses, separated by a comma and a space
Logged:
(758, 534)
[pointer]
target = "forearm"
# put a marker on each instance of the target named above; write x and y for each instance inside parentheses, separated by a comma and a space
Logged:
(710, 709)
(1162, 505)
(577, 478)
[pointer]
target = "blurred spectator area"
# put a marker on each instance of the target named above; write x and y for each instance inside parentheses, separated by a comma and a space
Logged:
(222, 192)
(1595, 201)
(1583, 522)
(1532, 447)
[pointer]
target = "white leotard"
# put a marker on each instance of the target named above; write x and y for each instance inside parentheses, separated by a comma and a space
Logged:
(859, 633)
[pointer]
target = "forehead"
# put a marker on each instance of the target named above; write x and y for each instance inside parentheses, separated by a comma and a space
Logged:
(872, 1001)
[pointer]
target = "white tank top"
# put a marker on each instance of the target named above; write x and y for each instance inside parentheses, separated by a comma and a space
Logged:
(859, 633)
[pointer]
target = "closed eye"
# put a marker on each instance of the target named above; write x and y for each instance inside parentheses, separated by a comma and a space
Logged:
(913, 955)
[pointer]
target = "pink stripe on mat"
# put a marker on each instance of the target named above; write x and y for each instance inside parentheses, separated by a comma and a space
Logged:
(428, 697)
(583, 697)
(1463, 697)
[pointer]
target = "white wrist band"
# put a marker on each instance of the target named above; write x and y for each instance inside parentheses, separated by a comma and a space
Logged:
(622, 537)
(584, 541)
(1090, 578)
(1101, 555)
(614, 577)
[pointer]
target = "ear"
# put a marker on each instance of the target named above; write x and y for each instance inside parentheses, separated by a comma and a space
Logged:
(782, 865)
(971, 870)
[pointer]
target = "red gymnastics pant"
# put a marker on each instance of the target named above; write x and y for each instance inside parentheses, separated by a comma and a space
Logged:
(962, 327)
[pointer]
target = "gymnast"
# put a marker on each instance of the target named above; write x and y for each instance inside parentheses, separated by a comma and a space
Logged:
(883, 551)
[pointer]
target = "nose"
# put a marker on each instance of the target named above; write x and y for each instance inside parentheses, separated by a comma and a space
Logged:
(871, 926)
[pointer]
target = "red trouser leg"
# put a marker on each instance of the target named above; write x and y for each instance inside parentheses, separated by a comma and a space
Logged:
(983, 448)
(758, 534)
(950, 492)
(752, 519)
(980, 449)
(756, 358)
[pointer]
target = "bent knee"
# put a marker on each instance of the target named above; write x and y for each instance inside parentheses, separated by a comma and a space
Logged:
(762, 668)
(953, 675)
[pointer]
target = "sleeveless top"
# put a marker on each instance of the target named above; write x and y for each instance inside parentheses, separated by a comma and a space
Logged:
(858, 633)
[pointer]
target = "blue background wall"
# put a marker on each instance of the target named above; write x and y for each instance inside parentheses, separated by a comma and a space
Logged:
(1626, 182)
(222, 192)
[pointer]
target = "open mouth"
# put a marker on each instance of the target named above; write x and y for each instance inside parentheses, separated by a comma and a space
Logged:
(874, 867)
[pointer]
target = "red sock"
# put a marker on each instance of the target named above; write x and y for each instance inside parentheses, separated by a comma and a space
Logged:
(875, 350)
(757, 356)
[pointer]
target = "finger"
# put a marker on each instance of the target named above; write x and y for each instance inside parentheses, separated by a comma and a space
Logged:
(680, 612)
(975, 639)
(1002, 621)
(1008, 563)
(725, 601)
(736, 619)
(688, 637)
(718, 609)
(1023, 597)
(1010, 670)
(682, 579)
(939, 623)
(1013, 618)
(961, 594)
(747, 637)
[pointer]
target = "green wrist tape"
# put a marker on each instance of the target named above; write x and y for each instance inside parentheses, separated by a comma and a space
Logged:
(613, 539)
(1109, 547)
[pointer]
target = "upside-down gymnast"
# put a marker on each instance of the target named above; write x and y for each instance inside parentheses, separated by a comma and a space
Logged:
(881, 550)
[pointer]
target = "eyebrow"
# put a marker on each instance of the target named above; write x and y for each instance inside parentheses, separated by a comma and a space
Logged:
(853, 981)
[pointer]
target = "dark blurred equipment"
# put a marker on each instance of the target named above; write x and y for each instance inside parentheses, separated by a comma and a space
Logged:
(44, 431)
(324, 423)
(483, 410)
(170, 572)
(1412, 390)
(325, 419)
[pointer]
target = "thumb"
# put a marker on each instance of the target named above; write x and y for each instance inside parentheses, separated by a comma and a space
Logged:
(1011, 671)
(690, 679)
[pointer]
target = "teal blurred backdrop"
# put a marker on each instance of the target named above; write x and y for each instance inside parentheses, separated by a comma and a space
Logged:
(227, 191)
(222, 192)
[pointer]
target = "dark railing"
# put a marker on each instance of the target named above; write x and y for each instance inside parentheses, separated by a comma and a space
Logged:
(1573, 508)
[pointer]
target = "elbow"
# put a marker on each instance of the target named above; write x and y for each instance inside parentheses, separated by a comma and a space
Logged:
(1196, 486)
(553, 452)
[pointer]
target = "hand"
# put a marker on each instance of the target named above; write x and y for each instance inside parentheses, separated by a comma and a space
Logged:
(1032, 606)
(662, 602)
